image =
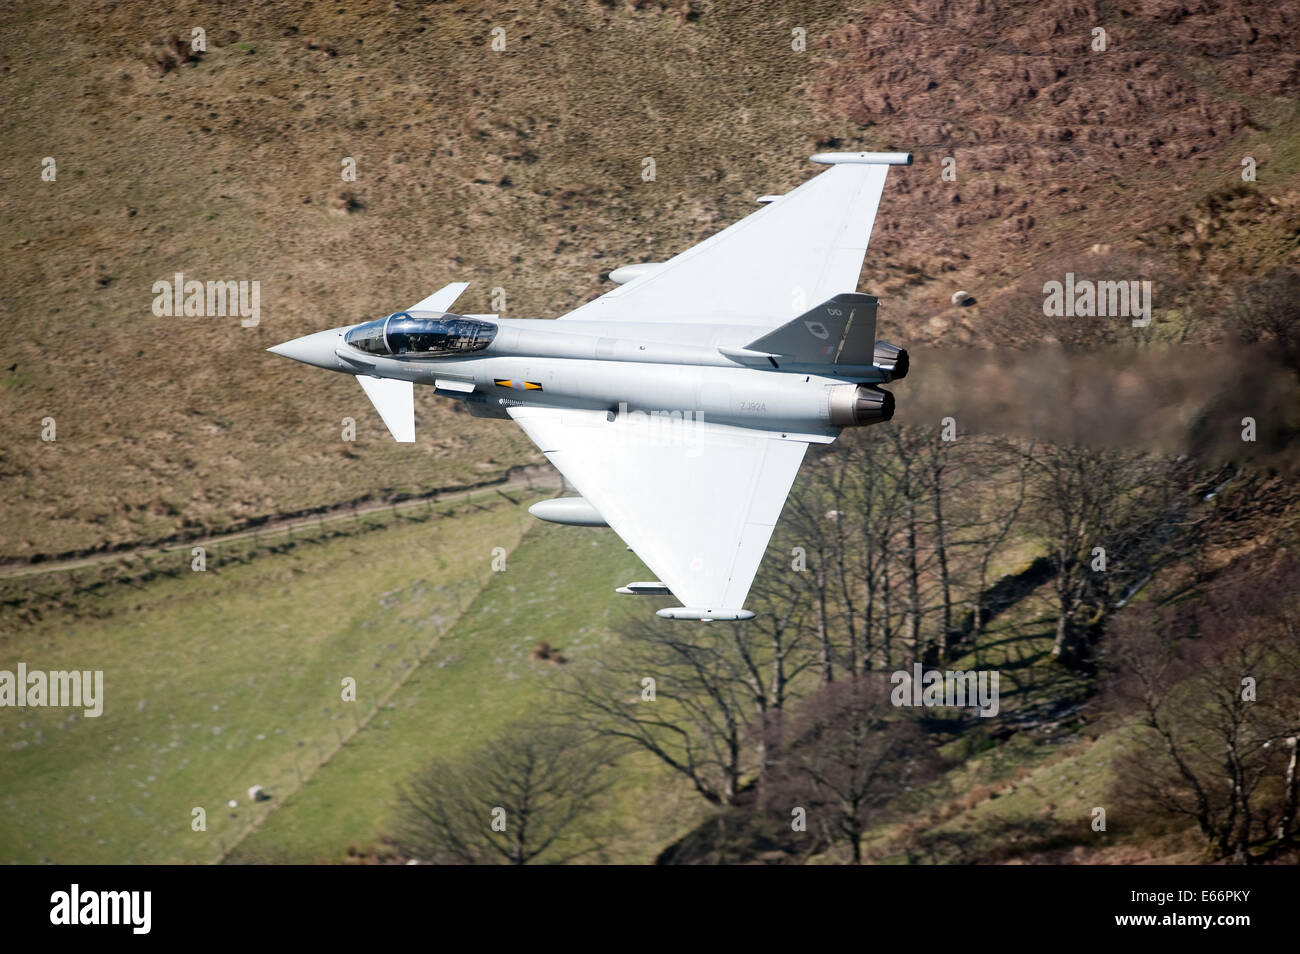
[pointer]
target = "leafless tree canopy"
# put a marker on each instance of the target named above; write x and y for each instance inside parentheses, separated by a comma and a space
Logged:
(1266, 310)
(890, 552)
(524, 797)
(1214, 688)
(847, 756)
(710, 684)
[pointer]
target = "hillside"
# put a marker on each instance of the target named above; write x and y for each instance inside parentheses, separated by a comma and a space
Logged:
(520, 170)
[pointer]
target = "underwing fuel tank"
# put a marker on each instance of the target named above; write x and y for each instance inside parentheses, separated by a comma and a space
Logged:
(704, 615)
(572, 511)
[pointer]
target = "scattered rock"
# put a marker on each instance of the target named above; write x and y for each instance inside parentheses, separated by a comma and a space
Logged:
(345, 203)
(544, 651)
(167, 52)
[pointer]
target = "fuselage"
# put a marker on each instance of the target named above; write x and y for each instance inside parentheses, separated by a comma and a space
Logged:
(670, 369)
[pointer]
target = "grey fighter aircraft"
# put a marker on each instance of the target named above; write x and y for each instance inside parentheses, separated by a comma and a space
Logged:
(680, 404)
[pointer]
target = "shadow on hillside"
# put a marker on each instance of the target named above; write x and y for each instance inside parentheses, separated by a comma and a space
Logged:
(994, 842)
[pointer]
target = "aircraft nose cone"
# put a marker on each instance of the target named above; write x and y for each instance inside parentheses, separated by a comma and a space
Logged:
(314, 349)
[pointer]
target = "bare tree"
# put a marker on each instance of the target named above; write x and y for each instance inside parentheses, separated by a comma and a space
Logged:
(1214, 688)
(894, 528)
(1093, 505)
(775, 650)
(871, 503)
(995, 512)
(1267, 311)
(525, 796)
(691, 695)
(812, 525)
(848, 755)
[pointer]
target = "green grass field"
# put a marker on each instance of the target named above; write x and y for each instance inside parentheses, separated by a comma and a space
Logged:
(557, 586)
(220, 680)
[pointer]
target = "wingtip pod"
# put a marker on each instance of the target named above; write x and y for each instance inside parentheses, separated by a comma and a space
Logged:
(704, 615)
(868, 158)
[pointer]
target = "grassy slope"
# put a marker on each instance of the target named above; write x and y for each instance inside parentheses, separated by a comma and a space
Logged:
(166, 425)
(557, 587)
(517, 170)
(998, 798)
(1030, 796)
(221, 680)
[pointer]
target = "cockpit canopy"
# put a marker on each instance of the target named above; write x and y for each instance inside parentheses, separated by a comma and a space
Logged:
(422, 334)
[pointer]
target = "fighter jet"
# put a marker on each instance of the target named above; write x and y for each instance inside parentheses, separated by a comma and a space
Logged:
(680, 404)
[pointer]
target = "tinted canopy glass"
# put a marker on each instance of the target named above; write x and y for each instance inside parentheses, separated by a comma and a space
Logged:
(422, 335)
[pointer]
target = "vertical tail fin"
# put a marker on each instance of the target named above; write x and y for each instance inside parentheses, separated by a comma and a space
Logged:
(839, 331)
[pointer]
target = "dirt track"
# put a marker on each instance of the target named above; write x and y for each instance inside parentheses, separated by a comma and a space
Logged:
(528, 478)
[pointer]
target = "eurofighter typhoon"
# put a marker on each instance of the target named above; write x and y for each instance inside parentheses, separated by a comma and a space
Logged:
(680, 404)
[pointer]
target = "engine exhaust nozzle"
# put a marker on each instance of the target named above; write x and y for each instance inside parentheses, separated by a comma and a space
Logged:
(892, 359)
(860, 405)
